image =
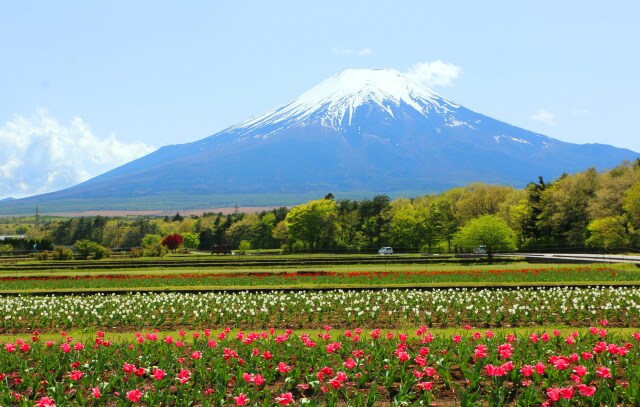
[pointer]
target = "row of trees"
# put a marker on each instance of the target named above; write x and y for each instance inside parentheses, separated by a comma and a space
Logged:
(588, 209)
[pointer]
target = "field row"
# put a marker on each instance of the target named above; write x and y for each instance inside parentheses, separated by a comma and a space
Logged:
(400, 276)
(355, 366)
(309, 309)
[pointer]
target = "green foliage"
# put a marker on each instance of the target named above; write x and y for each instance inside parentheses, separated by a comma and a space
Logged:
(6, 248)
(590, 208)
(62, 253)
(313, 223)
(490, 231)
(87, 248)
(244, 246)
(190, 241)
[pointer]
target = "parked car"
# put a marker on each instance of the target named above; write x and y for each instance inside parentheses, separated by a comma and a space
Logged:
(482, 249)
(385, 250)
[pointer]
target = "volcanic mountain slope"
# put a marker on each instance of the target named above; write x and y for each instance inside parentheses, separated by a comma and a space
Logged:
(357, 133)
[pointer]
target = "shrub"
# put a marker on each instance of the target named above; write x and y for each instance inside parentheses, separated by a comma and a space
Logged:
(61, 253)
(156, 250)
(88, 248)
(43, 255)
(136, 252)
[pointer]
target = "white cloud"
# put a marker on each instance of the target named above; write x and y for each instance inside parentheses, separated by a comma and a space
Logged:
(39, 154)
(346, 52)
(544, 116)
(436, 73)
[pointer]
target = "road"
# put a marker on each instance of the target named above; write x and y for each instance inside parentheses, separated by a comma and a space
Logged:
(593, 258)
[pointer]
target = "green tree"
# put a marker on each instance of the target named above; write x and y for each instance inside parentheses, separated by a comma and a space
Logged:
(608, 233)
(609, 203)
(374, 219)
(190, 240)
(243, 229)
(490, 231)
(312, 223)
(564, 215)
(86, 248)
(414, 223)
(152, 245)
(244, 246)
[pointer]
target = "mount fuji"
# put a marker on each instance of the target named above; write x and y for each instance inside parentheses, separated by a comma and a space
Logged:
(356, 134)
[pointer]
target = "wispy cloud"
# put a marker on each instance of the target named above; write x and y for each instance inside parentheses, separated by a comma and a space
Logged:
(544, 116)
(346, 52)
(436, 73)
(39, 154)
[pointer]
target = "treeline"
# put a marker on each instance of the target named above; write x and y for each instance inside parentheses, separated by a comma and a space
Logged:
(589, 209)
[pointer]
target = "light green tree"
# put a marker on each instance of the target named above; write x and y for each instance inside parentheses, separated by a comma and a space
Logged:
(190, 240)
(489, 231)
(608, 233)
(86, 248)
(152, 245)
(313, 223)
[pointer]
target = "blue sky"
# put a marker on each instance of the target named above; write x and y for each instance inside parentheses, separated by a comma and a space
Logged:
(87, 86)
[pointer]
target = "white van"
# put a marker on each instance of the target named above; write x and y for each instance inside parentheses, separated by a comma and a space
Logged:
(385, 250)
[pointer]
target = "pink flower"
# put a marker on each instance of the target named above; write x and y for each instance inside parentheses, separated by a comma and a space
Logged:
(561, 362)
(349, 363)
(603, 372)
(76, 375)
(553, 393)
(540, 367)
(284, 398)
(402, 356)
(580, 370)
(527, 370)
(566, 392)
(45, 402)
(158, 374)
(336, 384)
(586, 391)
(241, 399)
(283, 367)
(128, 368)
(456, 338)
(495, 370)
(425, 386)
(134, 395)
(96, 392)
(259, 380)
(196, 355)
(183, 376)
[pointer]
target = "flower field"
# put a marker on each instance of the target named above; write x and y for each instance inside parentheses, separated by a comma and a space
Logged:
(408, 276)
(355, 367)
(374, 346)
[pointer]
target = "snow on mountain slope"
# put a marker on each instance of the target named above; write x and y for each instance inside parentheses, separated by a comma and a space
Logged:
(333, 102)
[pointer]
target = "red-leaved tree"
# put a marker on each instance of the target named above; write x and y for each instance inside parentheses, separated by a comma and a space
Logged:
(172, 241)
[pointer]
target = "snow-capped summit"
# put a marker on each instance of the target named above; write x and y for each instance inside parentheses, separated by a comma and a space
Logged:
(356, 134)
(334, 101)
